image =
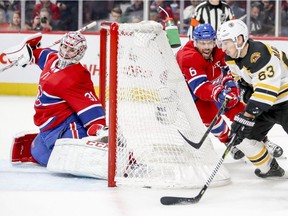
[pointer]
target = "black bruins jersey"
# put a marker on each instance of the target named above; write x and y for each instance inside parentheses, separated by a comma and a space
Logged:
(266, 69)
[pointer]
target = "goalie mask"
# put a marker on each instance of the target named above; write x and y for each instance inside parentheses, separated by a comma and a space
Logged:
(72, 49)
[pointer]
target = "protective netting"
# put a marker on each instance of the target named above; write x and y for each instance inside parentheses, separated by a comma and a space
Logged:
(153, 106)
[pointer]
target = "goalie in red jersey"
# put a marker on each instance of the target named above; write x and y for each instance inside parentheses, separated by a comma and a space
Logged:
(66, 105)
(210, 82)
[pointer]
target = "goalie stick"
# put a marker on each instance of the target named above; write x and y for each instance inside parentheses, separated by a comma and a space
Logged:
(199, 144)
(90, 25)
(171, 200)
(14, 63)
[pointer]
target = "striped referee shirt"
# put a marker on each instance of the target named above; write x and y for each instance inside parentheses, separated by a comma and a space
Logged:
(205, 12)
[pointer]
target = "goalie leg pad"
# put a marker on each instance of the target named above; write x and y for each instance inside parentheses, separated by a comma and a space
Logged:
(257, 153)
(79, 157)
(21, 147)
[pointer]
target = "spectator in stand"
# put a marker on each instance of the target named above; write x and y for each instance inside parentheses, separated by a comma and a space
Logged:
(114, 16)
(3, 24)
(154, 15)
(87, 12)
(268, 12)
(43, 21)
(69, 15)
(9, 7)
(96, 10)
(236, 9)
(284, 18)
(257, 27)
(101, 9)
(155, 5)
(132, 11)
(50, 6)
(15, 25)
(188, 12)
(29, 10)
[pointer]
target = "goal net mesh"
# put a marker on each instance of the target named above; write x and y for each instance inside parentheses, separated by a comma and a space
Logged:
(154, 106)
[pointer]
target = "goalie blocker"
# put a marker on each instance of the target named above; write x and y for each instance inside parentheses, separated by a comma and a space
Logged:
(21, 147)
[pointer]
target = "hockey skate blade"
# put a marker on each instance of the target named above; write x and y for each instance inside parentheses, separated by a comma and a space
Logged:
(282, 157)
(276, 178)
(170, 200)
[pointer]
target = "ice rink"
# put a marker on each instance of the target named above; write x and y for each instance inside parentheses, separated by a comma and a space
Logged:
(33, 191)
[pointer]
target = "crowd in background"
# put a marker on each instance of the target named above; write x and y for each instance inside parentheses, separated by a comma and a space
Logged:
(53, 15)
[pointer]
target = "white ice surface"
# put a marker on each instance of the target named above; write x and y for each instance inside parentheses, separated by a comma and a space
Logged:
(30, 190)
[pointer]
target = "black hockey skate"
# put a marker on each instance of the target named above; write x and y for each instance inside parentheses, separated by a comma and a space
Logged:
(275, 171)
(273, 149)
(236, 153)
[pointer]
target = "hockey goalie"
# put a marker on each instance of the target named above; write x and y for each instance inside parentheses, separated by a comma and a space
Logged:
(66, 110)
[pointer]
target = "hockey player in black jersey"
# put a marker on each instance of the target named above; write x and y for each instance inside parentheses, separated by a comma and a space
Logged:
(265, 68)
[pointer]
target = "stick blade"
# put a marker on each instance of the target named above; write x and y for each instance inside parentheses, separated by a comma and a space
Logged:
(170, 200)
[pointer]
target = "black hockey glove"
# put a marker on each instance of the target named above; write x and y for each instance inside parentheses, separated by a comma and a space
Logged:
(242, 127)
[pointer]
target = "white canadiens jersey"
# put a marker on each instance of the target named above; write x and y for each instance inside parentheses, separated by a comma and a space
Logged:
(266, 69)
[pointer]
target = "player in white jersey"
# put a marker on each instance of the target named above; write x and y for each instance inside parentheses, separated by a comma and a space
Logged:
(265, 68)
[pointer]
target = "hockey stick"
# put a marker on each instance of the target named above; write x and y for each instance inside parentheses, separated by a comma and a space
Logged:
(199, 144)
(8, 66)
(90, 25)
(171, 200)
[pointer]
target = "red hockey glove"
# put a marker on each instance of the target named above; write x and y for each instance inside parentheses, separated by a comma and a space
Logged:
(100, 131)
(219, 94)
(242, 127)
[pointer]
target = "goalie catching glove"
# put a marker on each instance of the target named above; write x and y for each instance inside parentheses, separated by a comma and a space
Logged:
(22, 54)
(241, 126)
(220, 94)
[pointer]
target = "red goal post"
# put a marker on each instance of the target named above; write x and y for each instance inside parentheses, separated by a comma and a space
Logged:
(148, 103)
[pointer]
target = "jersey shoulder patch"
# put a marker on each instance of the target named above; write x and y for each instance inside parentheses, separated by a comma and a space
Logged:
(258, 56)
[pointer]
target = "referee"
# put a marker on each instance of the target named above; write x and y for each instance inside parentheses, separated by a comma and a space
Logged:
(215, 12)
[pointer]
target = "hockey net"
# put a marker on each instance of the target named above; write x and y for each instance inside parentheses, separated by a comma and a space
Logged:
(148, 103)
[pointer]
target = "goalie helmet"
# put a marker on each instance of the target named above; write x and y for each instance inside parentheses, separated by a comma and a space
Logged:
(231, 30)
(77, 44)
